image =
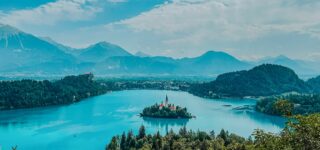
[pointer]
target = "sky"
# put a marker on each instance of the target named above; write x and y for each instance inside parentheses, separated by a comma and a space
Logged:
(247, 29)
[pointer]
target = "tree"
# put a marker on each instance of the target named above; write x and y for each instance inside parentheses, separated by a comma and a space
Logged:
(212, 134)
(183, 131)
(123, 141)
(223, 135)
(129, 138)
(283, 107)
(113, 144)
(303, 132)
(142, 132)
(155, 144)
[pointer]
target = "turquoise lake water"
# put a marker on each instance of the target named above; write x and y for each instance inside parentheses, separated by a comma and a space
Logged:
(90, 124)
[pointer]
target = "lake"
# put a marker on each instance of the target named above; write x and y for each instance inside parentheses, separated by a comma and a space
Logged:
(90, 124)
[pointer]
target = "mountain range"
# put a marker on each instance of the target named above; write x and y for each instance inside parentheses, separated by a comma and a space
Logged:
(24, 53)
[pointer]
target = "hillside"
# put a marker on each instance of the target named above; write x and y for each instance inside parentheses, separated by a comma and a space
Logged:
(133, 65)
(101, 51)
(24, 53)
(211, 62)
(19, 49)
(262, 80)
(31, 93)
(315, 84)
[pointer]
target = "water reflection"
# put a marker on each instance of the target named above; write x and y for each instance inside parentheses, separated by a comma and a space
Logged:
(22, 117)
(262, 118)
(165, 123)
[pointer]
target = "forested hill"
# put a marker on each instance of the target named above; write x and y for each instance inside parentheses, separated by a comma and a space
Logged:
(315, 84)
(263, 80)
(32, 93)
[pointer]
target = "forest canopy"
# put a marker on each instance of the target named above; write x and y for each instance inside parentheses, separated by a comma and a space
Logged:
(32, 93)
(301, 132)
(290, 104)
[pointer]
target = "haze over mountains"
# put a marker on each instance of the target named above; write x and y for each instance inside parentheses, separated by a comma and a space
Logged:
(23, 53)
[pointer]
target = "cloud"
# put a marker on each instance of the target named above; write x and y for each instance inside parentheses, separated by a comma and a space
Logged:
(185, 21)
(177, 28)
(51, 13)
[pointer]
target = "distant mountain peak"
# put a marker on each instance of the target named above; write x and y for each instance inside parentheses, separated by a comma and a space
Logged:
(282, 57)
(216, 55)
(101, 51)
(270, 59)
(7, 30)
(104, 44)
(211, 52)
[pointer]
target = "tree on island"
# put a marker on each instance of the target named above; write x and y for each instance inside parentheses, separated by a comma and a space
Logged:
(165, 110)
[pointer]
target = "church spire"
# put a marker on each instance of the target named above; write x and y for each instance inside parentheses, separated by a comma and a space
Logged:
(166, 102)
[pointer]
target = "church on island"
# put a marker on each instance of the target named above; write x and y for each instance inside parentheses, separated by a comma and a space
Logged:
(165, 110)
(167, 105)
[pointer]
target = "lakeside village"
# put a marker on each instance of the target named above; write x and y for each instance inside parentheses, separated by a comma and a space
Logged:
(166, 110)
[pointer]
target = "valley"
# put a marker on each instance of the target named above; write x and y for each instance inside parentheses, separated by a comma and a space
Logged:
(87, 98)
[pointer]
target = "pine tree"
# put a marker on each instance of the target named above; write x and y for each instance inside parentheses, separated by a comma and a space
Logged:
(183, 131)
(142, 132)
(213, 134)
(223, 135)
(123, 141)
(113, 145)
(129, 139)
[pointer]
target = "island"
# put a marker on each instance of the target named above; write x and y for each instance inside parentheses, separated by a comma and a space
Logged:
(166, 110)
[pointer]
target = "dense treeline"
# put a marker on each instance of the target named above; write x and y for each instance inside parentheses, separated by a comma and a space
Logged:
(301, 132)
(165, 112)
(290, 104)
(32, 93)
(263, 80)
(174, 85)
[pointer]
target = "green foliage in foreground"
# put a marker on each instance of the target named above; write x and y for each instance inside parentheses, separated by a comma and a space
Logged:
(288, 105)
(300, 133)
(32, 93)
(165, 112)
